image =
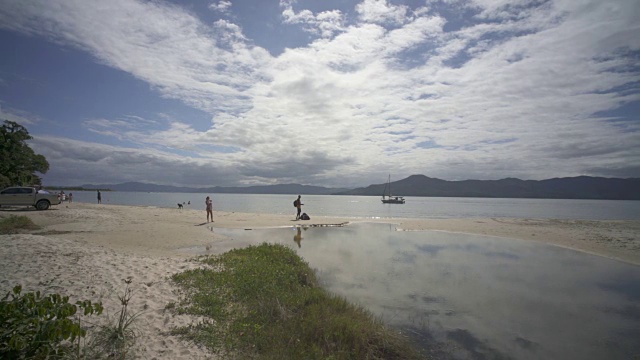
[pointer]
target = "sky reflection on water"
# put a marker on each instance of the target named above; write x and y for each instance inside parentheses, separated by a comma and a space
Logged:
(476, 297)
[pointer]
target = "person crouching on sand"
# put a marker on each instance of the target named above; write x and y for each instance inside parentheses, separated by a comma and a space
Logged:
(209, 204)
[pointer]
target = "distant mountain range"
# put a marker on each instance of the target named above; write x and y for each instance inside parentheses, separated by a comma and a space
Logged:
(264, 189)
(581, 187)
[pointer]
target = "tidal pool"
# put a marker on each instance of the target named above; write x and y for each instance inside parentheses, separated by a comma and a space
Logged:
(473, 297)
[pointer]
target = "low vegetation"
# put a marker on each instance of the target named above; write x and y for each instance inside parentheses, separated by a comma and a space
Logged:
(16, 224)
(35, 326)
(264, 302)
(38, 326)
(117, 339)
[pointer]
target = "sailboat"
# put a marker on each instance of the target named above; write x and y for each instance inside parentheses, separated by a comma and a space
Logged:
(391, 199)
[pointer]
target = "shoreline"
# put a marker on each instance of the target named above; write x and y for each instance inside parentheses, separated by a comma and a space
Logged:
(85, 251)
(156, 231)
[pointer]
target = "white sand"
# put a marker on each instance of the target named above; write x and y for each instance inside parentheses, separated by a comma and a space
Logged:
(86, 250)
(55, 265)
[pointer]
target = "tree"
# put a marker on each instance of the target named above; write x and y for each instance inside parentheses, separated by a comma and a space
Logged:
(19, 163)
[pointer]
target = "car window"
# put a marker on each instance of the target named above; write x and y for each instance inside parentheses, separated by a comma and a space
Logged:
(10, 191)
(26, 190)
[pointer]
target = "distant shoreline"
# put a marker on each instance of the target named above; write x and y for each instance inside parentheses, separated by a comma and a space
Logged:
(366, 207)
(578, 187)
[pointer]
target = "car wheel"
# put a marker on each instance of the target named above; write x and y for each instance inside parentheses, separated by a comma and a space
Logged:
(42, 205)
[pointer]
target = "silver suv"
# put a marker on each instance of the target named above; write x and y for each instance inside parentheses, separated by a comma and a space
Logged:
(27, 196)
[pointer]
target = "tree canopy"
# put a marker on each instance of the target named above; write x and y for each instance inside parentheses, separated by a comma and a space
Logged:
(19, 163)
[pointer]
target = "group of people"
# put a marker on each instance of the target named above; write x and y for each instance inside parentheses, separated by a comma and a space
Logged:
(61, 195)
(208, 203)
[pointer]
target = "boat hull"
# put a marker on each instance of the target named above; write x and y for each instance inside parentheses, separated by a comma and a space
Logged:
(393, 201)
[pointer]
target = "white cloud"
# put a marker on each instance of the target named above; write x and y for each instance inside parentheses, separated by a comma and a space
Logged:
(171, 49)
(325, 24)
(513, 93)
(21, 117)
(381, 12)
(221, 6)
(96, 163)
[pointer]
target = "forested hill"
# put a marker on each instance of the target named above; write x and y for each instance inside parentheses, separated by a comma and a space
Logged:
(266, 189)
(581, 187)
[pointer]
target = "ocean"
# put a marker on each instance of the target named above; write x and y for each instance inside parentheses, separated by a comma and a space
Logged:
(372, 207)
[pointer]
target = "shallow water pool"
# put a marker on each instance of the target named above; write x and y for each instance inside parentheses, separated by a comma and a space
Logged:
(473, 297)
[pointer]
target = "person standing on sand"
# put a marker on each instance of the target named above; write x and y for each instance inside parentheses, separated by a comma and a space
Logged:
(70, 198)
(99, 197)
(298, 204)
(209, 205)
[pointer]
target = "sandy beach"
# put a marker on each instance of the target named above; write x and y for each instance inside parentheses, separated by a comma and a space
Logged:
(86, 250)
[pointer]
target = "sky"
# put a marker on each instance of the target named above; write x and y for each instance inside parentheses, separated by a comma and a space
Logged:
(334, 93)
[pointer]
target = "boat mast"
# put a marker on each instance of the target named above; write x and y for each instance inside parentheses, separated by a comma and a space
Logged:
(389, 186)
(384, 191)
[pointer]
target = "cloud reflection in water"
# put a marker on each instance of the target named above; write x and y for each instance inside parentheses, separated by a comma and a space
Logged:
(476, 297)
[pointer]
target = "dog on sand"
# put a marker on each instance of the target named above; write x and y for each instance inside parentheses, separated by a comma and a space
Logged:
(180, 206)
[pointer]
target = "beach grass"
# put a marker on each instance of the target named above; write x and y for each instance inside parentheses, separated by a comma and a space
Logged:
(264, 302)
(16, 224)
(118, 338)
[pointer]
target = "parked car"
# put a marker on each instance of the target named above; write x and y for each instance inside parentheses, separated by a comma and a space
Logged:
(27, 196)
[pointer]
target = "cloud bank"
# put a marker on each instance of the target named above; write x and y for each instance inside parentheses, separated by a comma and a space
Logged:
(453, 89)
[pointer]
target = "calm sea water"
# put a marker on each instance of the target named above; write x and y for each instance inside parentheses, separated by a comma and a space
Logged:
(372, 207)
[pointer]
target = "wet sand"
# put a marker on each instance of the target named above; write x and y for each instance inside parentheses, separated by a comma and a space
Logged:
(153, 231)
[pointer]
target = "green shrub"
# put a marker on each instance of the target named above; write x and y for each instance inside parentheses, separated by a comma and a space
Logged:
(35, 326)
(15, 224)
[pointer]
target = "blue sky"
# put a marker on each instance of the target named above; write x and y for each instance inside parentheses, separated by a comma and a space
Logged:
(331, 93)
